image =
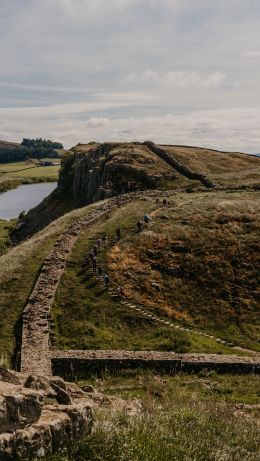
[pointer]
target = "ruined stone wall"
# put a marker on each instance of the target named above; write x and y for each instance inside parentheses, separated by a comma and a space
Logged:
(182, 169)
(82, 364)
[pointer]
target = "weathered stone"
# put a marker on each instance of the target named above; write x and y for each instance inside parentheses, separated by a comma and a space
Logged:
(18, 407)
(88, 388)
(62, 396)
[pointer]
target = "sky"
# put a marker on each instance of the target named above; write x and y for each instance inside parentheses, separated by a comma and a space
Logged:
(171, 71)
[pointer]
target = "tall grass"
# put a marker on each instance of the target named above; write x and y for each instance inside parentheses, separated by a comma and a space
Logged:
(189, 432)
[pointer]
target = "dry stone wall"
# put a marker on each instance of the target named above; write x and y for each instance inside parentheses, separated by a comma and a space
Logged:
(81, 364)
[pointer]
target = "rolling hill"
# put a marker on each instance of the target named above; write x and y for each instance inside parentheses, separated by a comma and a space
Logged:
(195, 264)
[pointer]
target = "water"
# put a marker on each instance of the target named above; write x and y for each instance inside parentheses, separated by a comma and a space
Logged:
(14, 201)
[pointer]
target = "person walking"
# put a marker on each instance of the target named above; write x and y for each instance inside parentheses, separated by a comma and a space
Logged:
(118, 233)
(139, 226)
(106, 280)
(94, 264)
(165, 202)
(146, 218)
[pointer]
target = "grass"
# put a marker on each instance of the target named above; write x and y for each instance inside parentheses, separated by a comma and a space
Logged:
(224, 168)
(5, 227)
(26, 172)
(210, 243)
(181, 418)
(19, 268)
(86, 316)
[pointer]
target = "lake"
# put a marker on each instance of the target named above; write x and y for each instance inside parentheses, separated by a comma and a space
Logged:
(14, 201)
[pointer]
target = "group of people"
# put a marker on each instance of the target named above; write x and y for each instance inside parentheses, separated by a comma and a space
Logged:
(93, 254)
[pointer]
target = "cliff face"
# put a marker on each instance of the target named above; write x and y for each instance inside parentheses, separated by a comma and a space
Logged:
(111, 169)
(90, 173)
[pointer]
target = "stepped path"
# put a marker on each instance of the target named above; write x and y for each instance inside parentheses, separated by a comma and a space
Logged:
(35, 355)
(142, 310)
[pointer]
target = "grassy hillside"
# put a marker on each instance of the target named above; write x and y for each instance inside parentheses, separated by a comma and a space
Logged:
(19, 268)
(196, 263)
(225, 168)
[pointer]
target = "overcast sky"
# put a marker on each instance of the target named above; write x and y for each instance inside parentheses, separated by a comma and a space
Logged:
(175, 71)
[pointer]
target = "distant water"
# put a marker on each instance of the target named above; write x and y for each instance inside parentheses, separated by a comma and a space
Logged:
(14, 201)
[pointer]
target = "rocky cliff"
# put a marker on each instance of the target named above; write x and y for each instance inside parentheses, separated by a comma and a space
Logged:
(90, 173)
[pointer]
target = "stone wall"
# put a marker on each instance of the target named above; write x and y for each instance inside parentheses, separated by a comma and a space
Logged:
(73, 365)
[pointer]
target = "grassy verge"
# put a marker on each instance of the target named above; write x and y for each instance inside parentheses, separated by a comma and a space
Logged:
(180, 418)
(5, 227)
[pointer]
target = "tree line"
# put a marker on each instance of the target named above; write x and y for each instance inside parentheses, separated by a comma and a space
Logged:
(30, 148)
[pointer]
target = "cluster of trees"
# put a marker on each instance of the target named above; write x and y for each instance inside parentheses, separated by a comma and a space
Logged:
(30, 148)
(40, 143)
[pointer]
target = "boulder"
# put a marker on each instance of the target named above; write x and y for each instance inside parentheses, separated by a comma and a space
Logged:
(19, 407)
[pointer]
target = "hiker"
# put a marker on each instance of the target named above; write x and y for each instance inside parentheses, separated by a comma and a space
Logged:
(157, 200)
(146, 218)
(164, 201)
(121, 292)
(94, 264)
(106, 280)
(104, 238)
(139, 226)
(118, 233)
(100, 271)
(91, 255)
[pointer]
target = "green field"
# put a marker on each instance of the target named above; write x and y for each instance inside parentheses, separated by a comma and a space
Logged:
(14, 174)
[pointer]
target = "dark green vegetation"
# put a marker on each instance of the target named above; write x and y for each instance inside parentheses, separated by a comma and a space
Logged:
(29, 148)
(202, 418)
(195, 263)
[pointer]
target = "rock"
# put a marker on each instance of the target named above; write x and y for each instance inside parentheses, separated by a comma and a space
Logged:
(157, 286)
(19, 407)
(29, 429)
(88, 388)
(179, 248)
(9, 376)
(62, 396)
(39, 383)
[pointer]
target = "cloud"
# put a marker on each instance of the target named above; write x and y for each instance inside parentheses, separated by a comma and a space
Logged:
(178, 79)
(236, 129)
(177, 69)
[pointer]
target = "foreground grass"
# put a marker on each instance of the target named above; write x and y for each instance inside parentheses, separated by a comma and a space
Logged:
(176, 421)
